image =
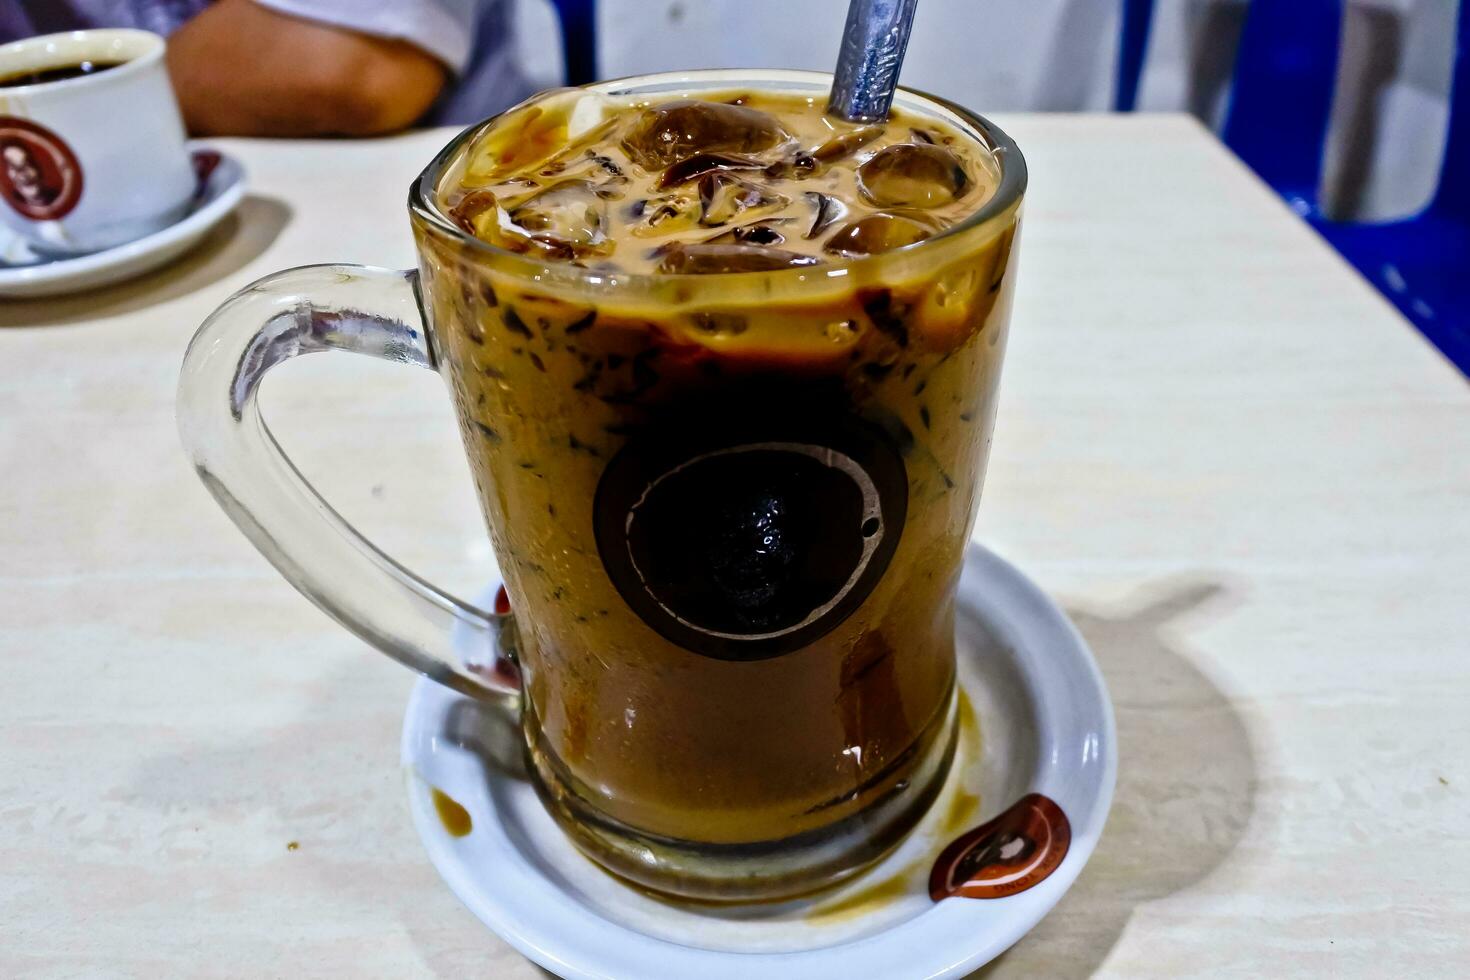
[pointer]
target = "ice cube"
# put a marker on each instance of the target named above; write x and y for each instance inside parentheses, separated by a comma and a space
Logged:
(881, 231)
(912, 175)
(725, 197)
(673, 131)
(704, 163)
(846, 143)
(569, 211)
(582, 163)
(606, 165)
(799, 164)
(477, 212)
(665, 214)
(756, 233)
(702, 259)
(534, 132)
(564, 221)
(827, 210)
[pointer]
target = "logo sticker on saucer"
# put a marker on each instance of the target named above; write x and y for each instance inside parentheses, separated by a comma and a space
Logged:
(747, 546)
(1017, 850)
(40, 177)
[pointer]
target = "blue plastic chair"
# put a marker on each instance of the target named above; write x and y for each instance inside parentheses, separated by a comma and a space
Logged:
(1132, 46)
(1281, 100)
(1422, 263)
(578, 39)
(1280, 108)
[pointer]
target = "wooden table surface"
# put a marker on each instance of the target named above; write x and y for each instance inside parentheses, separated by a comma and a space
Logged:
(1245, 477)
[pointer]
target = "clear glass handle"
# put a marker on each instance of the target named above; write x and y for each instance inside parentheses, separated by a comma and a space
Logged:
(302, 311)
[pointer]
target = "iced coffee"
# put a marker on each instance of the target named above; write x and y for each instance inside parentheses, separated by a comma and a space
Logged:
(725, 367)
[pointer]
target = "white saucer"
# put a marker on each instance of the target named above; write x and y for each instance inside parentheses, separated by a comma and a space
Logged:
(24, 274)
(1045, 726)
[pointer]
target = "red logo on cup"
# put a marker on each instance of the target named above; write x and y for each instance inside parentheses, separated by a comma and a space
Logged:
(39, 174)
(1015, 851)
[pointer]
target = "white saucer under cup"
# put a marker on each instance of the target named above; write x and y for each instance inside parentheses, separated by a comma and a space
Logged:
(220, 185)
(1016, 821)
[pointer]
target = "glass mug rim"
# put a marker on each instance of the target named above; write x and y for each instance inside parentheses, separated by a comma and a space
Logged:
(995, 212)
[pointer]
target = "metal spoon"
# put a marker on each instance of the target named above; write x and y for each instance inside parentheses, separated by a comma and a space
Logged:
(873, 43)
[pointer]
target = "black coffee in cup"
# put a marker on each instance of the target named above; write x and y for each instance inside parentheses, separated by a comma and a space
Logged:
(57, 74)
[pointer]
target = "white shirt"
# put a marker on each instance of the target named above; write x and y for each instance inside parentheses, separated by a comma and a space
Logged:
(474, 39)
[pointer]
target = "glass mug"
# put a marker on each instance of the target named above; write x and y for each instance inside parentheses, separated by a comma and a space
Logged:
(730, 511)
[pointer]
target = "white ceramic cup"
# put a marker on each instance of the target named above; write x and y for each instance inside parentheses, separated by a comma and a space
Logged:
(94, 161)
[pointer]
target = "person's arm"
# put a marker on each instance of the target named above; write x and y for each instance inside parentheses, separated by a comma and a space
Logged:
(243, 70)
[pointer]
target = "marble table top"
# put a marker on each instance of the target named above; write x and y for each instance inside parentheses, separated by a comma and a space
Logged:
(1245, 477)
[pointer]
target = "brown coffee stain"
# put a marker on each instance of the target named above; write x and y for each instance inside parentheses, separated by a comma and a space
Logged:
(876, 896)
(455, 818)
(959, 814)
(969, 727)
(963, 806)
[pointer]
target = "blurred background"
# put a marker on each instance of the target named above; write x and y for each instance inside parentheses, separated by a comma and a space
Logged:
(1389, 71)
(1387, 121)
(1343, 106)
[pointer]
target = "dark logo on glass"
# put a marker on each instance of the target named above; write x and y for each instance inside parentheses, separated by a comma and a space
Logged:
(748, 547)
